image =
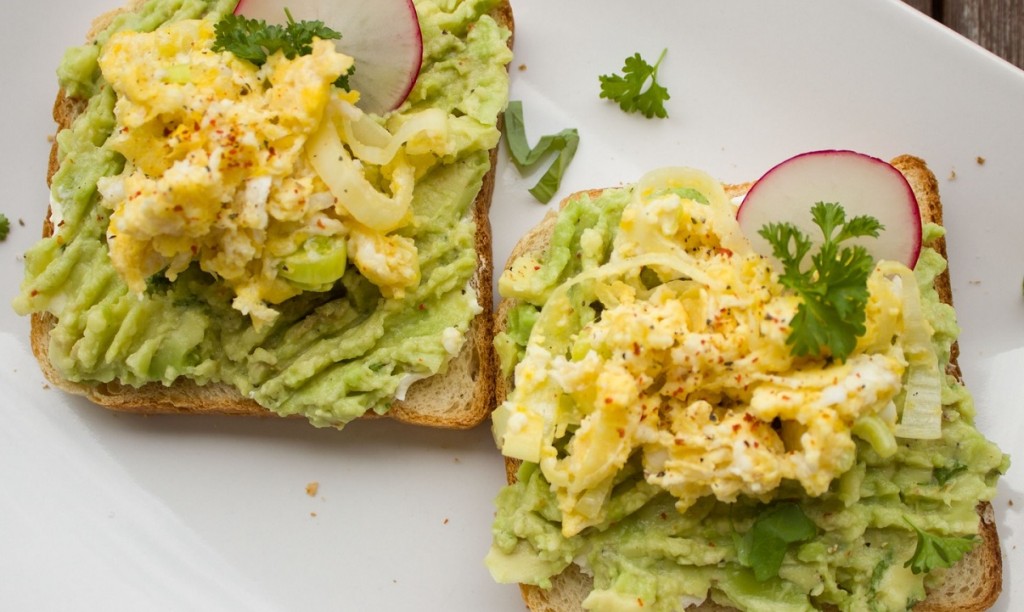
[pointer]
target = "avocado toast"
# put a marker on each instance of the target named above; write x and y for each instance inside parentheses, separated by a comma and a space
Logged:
(641, 552)
(347, 348)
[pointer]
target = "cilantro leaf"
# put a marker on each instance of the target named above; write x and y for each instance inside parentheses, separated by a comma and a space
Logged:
(628, 88)
(5, 226)
(934, 551)
(834, 289)
(564, 144)
(764, 546)
(255, 40)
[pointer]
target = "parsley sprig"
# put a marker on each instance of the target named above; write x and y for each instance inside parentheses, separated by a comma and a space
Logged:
(255, 40)
(834, 288)
(934, 551)
(628, 88)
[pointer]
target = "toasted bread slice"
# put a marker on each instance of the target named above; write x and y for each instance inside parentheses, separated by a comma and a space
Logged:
(972, 585)
(459, 398)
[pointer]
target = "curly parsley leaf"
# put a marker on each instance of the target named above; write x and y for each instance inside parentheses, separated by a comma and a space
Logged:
(833, 290)
(342, 82)
(934, 551)
(764, 546)
(628, 88)
(255, 40)
(564, 144)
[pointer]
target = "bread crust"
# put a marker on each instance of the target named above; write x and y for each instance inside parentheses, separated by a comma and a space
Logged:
(972, 585)
(459, 398)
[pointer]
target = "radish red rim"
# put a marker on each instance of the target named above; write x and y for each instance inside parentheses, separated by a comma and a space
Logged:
(860, 183)
(383, 36)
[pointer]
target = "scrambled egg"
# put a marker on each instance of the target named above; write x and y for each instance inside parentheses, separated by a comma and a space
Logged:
(248, 170)
(693, 371)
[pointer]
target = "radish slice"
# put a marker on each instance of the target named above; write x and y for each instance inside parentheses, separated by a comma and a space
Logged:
(382, 35)
(862, 184)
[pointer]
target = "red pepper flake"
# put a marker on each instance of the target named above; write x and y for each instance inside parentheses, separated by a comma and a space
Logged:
(34, 293)
(621, 432)
(736, 427)
(608, 400)
(422, 306)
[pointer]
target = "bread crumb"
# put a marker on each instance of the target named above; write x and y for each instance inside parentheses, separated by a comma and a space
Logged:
(445, 522)
(522, 67)
(312, 488)
(980, 160)
(1010, 502)
(21, 222)
(312, 514)
(952, 175)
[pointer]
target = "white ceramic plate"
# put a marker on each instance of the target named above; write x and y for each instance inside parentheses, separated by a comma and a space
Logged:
(114, 512)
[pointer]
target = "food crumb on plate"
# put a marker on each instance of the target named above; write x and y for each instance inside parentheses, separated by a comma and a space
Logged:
(312, 488)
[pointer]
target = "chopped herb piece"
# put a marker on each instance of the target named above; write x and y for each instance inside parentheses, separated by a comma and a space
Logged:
(763, 547)
(563, 143)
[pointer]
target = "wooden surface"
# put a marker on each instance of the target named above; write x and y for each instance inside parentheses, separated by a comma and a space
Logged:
(997, 25)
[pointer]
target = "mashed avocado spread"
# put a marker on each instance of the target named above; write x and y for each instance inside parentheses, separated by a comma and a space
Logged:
(357, 337)
(836, 498)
